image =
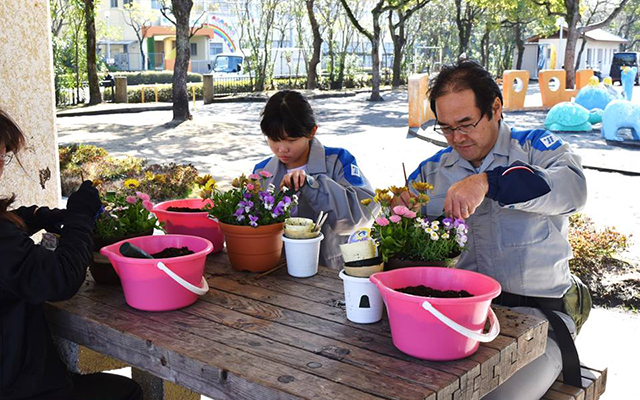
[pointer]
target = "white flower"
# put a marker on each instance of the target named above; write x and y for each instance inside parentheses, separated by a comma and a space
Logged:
(271, 188)
(428, 230)
(434, 236)
(445, 235)
(435, 225)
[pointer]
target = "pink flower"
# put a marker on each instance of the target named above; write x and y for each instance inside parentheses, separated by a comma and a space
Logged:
(250, 186)
(132, 199)
(382, 221)
(143, 196)
(409, 214)
(148, 205)
(395, 218)
(255, 177)
(266, 174)
(400, 210)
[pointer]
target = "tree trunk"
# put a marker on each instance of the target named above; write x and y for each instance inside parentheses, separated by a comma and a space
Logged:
(579, 57)
(519, 44)
(399, 41)
(484, 47)
(573, 15)
(144, 63)
(92, 68)
(312, 74)
(375, 61)
(181, 10)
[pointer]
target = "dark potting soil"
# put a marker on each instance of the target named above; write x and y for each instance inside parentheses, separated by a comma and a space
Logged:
(426, 291)
(170, 252)
(185, 209)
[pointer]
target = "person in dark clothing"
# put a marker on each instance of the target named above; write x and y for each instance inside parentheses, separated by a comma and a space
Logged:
(30, 275)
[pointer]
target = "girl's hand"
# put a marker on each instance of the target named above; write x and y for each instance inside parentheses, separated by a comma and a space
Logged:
(294, 180)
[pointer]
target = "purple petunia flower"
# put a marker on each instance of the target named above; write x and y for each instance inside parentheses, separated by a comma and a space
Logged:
(248, 205)
(447, 222)
(239, 212)
(253, 221)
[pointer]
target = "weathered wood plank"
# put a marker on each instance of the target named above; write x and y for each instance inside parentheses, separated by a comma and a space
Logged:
(289, 328)
(576, 393)
(202, 365)
(212, 322)
(555, 395)
(482, 382)
(529, 331)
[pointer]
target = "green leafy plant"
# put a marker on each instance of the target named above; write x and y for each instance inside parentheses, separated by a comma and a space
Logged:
(591, 246)
(250, 202)
(127, 212)
(403, 233)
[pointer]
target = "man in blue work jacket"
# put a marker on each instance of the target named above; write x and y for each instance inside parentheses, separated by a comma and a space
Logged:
(516, 189)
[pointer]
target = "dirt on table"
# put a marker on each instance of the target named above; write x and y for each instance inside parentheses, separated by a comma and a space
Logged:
(185, 209)
(171, 252)
(426, 291)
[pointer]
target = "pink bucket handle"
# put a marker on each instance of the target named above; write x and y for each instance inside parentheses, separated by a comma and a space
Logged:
(192, 288)
(480, 337)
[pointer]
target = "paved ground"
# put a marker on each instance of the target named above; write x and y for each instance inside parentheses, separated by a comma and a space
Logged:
(224, 139)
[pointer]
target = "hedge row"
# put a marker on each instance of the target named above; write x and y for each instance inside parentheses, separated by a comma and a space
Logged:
(165, 93)
(154, 77)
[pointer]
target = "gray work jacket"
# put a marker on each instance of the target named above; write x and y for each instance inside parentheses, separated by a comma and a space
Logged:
(524, 246)
(336, 185)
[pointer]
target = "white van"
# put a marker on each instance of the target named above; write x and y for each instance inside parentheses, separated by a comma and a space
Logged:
(227, 64)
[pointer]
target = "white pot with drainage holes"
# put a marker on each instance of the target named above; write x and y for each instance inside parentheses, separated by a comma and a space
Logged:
(362, 299)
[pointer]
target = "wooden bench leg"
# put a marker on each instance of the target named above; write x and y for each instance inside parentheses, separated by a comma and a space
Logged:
(155, 388)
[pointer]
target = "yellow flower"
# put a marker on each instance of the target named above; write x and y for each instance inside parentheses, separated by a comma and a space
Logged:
(398, 190)
(149, 175)
(384, 198)
(423, 198)
(365, 202)
(97, 182)
(203, 180)
(382, 191)
(162, 178)
(422, 186)
(211, 184)
(131, 183)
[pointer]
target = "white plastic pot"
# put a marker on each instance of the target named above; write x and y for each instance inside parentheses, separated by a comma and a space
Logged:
(362, 299)
(302, 256)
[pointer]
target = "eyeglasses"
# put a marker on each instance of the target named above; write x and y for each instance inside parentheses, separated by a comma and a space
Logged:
(463, 129)
(6, 158)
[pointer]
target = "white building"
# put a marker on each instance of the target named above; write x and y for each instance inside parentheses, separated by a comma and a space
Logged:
(597, 54)
(218, 34)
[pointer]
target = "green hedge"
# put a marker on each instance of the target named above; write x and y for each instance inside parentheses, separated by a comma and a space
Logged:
(165, 93)
(154, 77)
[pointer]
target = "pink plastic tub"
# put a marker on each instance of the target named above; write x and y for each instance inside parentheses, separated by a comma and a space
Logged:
(165, 283)
(436, 328)
(196, 223)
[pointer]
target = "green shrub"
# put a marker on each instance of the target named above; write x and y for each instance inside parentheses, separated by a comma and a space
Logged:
(154, 77)
(592, 247)
(160, 181)
(165, 93)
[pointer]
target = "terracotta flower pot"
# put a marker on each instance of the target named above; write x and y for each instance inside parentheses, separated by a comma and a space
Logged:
(100, 266)
(253, 249)
(395, 263)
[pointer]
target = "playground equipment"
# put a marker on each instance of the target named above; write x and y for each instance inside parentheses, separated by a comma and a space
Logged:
(514, 88)
(419, 110)
(621, 114)
(627, 78)
(571, 117)
(594, 95)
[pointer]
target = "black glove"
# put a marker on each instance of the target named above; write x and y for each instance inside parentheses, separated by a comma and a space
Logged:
(516, 183)
(49, 220)
(85, 200)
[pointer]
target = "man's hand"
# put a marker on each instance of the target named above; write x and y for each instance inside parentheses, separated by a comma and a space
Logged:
(294, 179)
(405, 199)
(465, 196)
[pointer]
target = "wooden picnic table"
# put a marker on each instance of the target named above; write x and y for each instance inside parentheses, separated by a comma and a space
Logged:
(279, 337)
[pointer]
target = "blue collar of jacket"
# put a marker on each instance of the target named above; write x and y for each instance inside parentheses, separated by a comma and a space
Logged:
(502, 147)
